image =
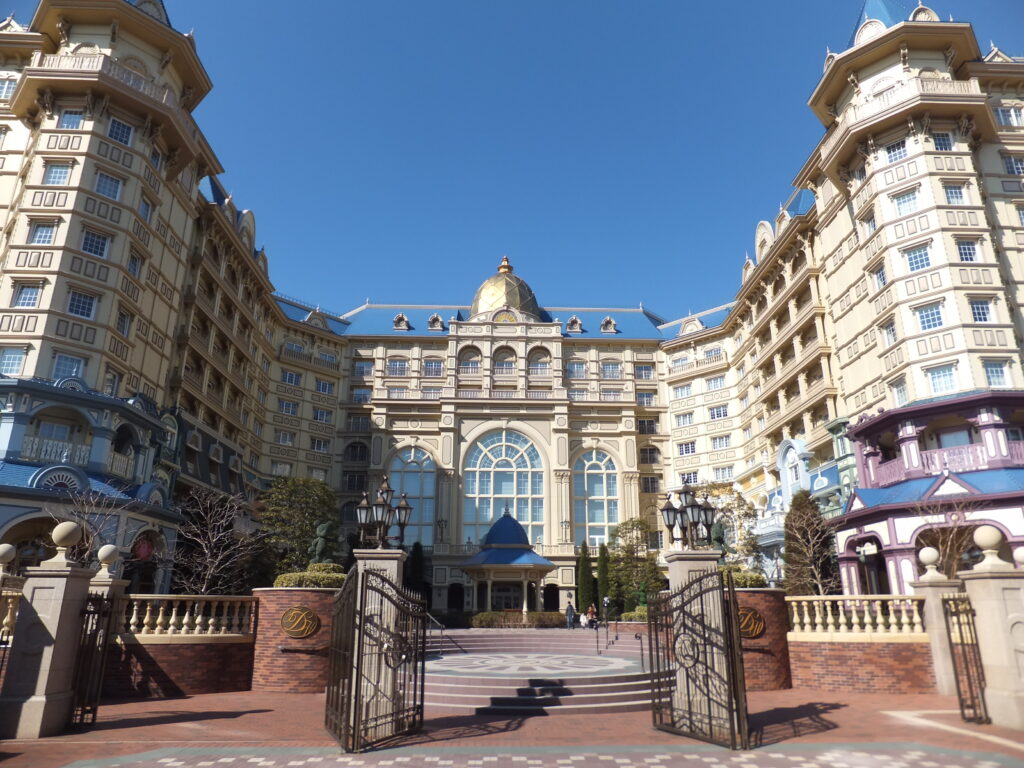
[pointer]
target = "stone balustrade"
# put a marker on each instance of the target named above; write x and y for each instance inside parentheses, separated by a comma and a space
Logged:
(193, 616)
(9, 600)
(846, 618)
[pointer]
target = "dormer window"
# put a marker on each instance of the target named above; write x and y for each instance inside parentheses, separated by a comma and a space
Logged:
(574, 325)
(435, 323)
(608, 325)
(401, 322)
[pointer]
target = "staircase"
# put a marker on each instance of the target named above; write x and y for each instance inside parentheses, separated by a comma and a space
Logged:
(465, 672)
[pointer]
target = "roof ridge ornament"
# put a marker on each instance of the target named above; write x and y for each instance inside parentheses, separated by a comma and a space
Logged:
(505, 267)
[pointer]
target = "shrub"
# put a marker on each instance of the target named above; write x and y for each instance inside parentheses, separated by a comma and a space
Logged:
(640, 614)
(324, 568)
(322, 575)
(749, 580)
(514, 619)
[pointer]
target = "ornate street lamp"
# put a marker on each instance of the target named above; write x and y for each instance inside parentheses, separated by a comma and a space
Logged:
(688, 517)
(377, 518)
(442, 524)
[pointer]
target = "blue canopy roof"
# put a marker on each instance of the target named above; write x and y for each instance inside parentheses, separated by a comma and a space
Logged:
(507, 557)
(985, 481)
(507, 532)
(506, 543)
(889, 12)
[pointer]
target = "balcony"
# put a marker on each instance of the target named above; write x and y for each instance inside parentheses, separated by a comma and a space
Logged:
(539, 369)
(469, 369)
(962, 458)
(692, 365)
(55, 451)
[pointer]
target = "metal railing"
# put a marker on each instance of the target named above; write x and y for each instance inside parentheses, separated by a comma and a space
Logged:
(441, 636)
(853, 614)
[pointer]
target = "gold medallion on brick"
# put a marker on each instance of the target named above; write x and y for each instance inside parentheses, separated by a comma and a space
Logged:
(299, 621)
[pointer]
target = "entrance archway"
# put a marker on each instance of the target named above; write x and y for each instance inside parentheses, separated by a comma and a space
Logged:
(872, 575)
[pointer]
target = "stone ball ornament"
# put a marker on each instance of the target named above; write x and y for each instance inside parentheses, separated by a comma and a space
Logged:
(107, 555)
(929, 556)
(1018, 556)
(66, 534)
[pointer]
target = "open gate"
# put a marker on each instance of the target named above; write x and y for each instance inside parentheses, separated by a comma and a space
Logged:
(377, 662)
(967, 668)
(91, 658)
(697, 685)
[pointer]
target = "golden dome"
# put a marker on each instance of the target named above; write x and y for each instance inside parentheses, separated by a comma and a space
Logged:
(505, 290)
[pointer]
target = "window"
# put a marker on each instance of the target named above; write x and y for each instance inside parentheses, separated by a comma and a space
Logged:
(682, 390)
(328, 357)
(645, 372)
(712, 354)
(720, 442)
(257, 428)
(355, 481)
(433, 369)
(688, 448)
(120, 132)
(398, 368)
(319, 445)
(361, 395)
(155, 158)
(611, 370)
(715, 382)
(684, 419)
(748, 433)
(358, 423)
(942, 379)
(1020, 215)
(870, 225)
(323, 415)
(284, 437)
(595, 494)
(280, 469)
(431, 393)
(1014, 164)
(108, 186)
(929, 316)
(145, 209)
(896, 151)
(688, 478)
(899, 392)
(967, 250)
(718, 412)
(906, 203)
(723, 474)
(943, 142)
(124, 322)
(316, 473)
(325, 387)
(649, 455)
(362, 368)
(918, 258)
(42, 233)
(503, 470)
(56, 174)
(26, 295)
(650, 484)
(81, 305)
(1010, 116)
(995, 373)
(95, 244)
(414, 473)
(981, 310)
(65, 366)
(889, 333)
(12, 361)
(645, 398)
(954, 194)
(880, 278)
(291, 377)
(577, 394)
(7, 88)
(647, 426)
(576, 369)
(287, 407)
(70, 120)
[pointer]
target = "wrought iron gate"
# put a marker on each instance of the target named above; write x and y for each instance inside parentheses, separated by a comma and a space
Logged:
(377, 663)
(697, 685)
(91, 659)
(967, 669)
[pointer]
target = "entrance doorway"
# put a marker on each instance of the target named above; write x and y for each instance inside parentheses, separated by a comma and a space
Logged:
(456, 598)
(551, 597)
(871, 571)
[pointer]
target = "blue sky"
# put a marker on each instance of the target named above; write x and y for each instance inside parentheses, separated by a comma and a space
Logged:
(395, 149)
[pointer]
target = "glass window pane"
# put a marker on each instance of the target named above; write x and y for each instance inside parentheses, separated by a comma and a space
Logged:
(504, 483)
(580, 511)
(537, 510)
(613, 511)
(595, 485)
(538, 483)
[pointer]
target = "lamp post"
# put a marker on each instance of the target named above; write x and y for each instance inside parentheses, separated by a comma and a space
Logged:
(565, 531)
(377, 518)
(442, 524)
(688, 517)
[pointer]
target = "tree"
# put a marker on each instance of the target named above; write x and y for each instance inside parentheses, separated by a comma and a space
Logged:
(603, 575)
(97, 514)
(416, 571)
(293, 507)
(634, 574)
(584, 580)
(949, 531)
(809, 549)
(216, 542)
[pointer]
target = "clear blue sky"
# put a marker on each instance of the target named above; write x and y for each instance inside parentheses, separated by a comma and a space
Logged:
(397, 148)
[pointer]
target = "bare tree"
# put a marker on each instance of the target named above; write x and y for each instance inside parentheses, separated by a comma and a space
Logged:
(216, 541)
(949, 530)
(99, 516)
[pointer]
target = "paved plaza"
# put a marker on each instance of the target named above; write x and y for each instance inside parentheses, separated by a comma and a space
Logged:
(794, 728)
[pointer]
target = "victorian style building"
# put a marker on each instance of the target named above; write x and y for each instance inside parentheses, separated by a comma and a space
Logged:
(871, 354)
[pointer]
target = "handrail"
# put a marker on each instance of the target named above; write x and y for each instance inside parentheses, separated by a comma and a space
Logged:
(640, 636)
(440, 627)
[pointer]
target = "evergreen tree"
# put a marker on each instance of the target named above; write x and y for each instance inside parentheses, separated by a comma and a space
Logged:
(603, 576)
(416, 571)
(634, 574)
(293, 507)
(584, 580)
(809, 549)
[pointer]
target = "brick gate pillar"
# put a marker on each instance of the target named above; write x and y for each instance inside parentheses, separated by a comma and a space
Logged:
(293, 635)
(764, 629)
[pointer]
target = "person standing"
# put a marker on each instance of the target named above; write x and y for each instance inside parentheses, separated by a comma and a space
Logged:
(592, 616)
(570, 616)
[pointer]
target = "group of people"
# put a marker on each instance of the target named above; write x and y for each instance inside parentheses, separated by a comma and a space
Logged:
(571, 616)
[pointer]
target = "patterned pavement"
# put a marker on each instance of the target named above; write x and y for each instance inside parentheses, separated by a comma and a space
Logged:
(531, 665)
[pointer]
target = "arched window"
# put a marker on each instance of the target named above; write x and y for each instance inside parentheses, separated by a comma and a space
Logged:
(413, 472)
(503, 468)
(504, 361)
(595, 490)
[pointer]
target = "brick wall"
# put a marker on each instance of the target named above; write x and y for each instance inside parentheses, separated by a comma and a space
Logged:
(766, 658)
(863, 667)
(281, 663)
(162, 671)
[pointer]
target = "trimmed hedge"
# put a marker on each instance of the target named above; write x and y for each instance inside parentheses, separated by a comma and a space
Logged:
(514, 620)
(749, 580)
(318, 575)
(640, 614)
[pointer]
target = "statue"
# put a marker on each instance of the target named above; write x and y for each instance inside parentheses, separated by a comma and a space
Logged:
(718, 539)
(320, 548)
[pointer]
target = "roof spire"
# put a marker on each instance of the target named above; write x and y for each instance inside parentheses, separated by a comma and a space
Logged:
(505, 267)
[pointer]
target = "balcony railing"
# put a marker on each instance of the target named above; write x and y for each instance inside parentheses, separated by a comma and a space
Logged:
(95, 62)
(962, 458)
(186, 615)
(55, 451)
(121, 464)
(469, 368)
(539, 369)
(827, 616)
(504, 369)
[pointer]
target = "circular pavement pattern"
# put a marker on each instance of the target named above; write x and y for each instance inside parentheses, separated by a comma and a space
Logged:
(517, 664)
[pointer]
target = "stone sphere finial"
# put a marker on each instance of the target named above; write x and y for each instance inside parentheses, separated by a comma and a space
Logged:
(929, 557)
(1018, 556)
(990, 539)
(66, 534)
(7, 554)
(107, 555)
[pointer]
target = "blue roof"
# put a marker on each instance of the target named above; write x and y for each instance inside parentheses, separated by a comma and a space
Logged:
(800, 203)
(18, 476)
(507, 531)
(986, 481)
(889, 12)
(507, 557)
(900, 493)
(298, 313)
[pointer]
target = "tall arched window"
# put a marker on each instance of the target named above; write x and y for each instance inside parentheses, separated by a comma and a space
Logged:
(503, 468)
(413, 472)
(595, 490)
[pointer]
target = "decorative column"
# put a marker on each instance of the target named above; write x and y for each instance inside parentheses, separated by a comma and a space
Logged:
(932, 586)
(99, 449)
(526, 585)
(685, 565)
(910, 450)
(996, 590)
(38, 688)
(563, 504)
(488, 605)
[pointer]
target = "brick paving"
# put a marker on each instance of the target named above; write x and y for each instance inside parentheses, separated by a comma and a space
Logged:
(801, 728)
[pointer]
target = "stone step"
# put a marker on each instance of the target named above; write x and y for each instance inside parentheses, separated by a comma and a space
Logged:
(641, 684)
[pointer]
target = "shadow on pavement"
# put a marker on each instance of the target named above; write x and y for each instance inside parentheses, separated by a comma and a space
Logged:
(166, 718)
(775, 725)
(453, 727)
